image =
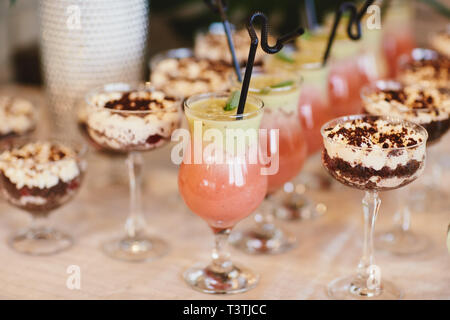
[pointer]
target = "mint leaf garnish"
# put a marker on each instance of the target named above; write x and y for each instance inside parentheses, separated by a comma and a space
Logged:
(233, 101)
(306, 35)
(283, 56)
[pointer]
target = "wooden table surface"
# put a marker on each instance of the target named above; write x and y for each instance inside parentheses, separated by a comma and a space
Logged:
(328, 247)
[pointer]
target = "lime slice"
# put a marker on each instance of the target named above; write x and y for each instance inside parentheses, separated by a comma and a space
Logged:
(282, 84)
(283, 56)
(233, 101)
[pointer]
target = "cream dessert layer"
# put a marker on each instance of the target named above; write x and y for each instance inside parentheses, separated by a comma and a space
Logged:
(17, 116)
(40, 176)
(188, 76)
(214, 46)
(427, 72)
(373, 153)
(427, 106)
(135, 120)
(441, 42)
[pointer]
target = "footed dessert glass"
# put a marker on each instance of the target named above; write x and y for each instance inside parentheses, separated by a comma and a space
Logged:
(39, 177)
(426, 106)
(287, 153)
(132, 119)
(222, 184)
(18, 117)
(179, 73)
(372, 154)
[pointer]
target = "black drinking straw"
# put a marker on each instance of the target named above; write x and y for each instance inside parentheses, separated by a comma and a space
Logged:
(265, 46)
(220, 6)
(354, 20)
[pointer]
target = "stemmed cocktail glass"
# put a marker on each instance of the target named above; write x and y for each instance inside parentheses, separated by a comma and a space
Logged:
(280, 93)
(372, 154)
(39, 176)
(131, 119)
(222, 182)
(422, 105)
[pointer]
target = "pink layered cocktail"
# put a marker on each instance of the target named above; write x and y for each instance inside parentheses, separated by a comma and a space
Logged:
(286, 148)
(222, 181)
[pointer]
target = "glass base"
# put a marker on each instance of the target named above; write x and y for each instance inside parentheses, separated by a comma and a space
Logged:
(353, 288)
(40, 242)
(235, 281)
(401, 242)
(136, 249)
(295, 206)
(267, 240)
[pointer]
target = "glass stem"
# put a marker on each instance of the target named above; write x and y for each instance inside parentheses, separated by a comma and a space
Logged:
(402, 218)
(135, 222)
(221, 262)
(264, 217)
(38, 222)
(371, 205)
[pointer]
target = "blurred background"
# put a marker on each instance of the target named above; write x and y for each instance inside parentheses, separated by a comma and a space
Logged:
(173, 23)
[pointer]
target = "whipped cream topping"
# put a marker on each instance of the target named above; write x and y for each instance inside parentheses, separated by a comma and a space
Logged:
(428, 72)
(441, 42)
(371, 142)
(188, 76)
(214, 46)
(119, 120)
(421, 105)
(39, 164)
(374, 133)
(17, 116)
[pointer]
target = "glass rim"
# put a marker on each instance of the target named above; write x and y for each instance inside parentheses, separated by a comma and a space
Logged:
(222, 94)
(175, 53)
(79, 147)
(132, 87)
(298, 79)
(417, 127)
(417, 54)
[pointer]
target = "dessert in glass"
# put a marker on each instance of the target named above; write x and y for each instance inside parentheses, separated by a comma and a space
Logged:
(222, 186)
(178, 73)
(280, 93)
(17, 117)
(130, 119)
(39, 177)
(426, 106)
(213, 45)
(425, 67)
(440, 42)
(372, 154)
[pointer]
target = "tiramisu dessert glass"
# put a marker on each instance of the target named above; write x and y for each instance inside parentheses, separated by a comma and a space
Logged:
(425, 67)
(223, 184)
(39, 177)
(373, 154)
(178, 73)
(17, 117)
(213, 45)
(280, 93)
(440, 42)
(132, 119)
(426, 106)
